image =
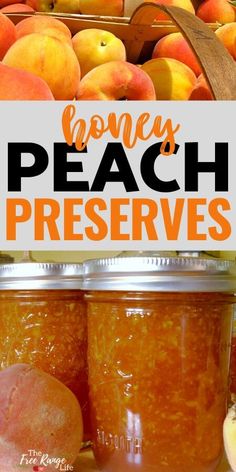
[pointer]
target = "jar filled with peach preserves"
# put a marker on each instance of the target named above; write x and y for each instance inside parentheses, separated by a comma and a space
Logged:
(43, 323)
(159, 333)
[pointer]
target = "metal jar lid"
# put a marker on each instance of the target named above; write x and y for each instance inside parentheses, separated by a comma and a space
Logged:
(165, 274)
(40, 276)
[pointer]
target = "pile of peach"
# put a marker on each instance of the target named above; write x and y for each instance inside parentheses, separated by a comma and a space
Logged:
(210, 11)
(41, 61)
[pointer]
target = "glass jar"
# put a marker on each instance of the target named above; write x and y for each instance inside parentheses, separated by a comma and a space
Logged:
(159, 332)
(233, 363)
(43, 323)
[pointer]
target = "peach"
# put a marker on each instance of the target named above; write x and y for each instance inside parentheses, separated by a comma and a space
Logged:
(227, 35)
(102, 7)
(56, 6)
(185, 4)
(44, 25)
(212, 11)
(17, 84)
(17, 8)
(201, 90)
(175, 46)
(172, 79)
(49, 58)
(7, 34)
(37, 412)
(4, 3)
(116, 80)
(94, 47)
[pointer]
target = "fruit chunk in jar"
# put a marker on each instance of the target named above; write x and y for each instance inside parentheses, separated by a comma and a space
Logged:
(158, 374)
(47, 329)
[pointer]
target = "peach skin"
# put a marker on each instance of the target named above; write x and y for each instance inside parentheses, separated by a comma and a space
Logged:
(227, 35)
(94, 47)
(17, 8)
(49, 58)
(7, 34)
(17, 84)
(101, 7)
(212, 11)
(172, 79)
(44, 25)
(37, 412)
(175, 46)
(201, 90)
(116, 80)
(185, 4)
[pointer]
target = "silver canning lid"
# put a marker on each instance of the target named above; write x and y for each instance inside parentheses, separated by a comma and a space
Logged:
(40, 276)
(165, 274)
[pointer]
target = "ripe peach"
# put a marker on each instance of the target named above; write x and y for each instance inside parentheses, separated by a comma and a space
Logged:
(4, 3)
(7, 34)
(49, 58)
(44, 25)
(17, 84)
(37, 412)
(212, 11)
(94, 47)
(201, 90)
(56, 6)
(185, 4)
(17, 8)
(102, 7)
(174, 45)
(172, 79)
(227, 35)
(116, 80)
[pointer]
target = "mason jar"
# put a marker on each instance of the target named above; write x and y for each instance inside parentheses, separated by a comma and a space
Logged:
(43, 323)
(159, 334)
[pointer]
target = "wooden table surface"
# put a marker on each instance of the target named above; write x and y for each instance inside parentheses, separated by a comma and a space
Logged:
(86, 463)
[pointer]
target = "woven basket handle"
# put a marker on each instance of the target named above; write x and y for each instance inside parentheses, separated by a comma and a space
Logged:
(217, 65)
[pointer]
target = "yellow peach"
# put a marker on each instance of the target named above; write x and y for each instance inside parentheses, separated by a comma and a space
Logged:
(227, 35)
(172, 79)
(185, 4)
(49, 58)
(94, 47)
(102, 7)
